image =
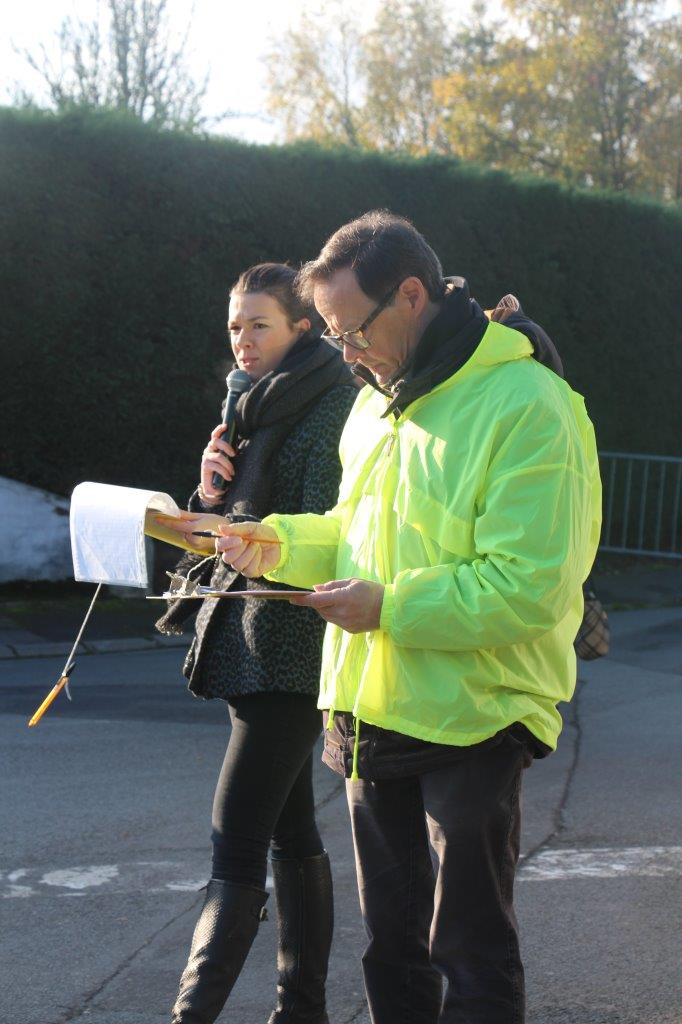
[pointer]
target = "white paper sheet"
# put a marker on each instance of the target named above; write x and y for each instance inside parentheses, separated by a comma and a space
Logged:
(107, 532)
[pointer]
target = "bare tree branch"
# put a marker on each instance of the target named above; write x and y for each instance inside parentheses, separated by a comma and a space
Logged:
(124, 59)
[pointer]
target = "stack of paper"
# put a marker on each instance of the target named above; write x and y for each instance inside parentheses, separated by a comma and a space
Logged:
(108, 526)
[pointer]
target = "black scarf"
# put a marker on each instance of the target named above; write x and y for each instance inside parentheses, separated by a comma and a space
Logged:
(266, 414)
(449, 341)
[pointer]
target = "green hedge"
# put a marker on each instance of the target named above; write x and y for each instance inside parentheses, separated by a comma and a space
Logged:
(119, 244)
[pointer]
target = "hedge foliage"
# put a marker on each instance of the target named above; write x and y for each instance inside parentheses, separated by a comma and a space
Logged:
(119, 244)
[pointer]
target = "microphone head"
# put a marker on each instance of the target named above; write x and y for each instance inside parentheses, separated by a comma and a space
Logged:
(238, 380)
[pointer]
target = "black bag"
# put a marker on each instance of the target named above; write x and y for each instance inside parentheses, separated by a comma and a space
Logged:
(594, 635)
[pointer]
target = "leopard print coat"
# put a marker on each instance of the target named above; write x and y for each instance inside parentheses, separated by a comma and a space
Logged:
(253, 646)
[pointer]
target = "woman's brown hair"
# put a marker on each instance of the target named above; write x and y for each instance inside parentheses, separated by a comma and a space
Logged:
(279, 281)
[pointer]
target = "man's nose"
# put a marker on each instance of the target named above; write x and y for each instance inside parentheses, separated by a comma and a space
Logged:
(350, 354)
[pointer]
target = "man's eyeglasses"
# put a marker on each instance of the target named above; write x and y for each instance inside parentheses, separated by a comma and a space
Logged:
(356, 339)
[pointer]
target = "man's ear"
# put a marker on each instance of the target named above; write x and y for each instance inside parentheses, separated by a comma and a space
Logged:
(416, 294)
(303, 325)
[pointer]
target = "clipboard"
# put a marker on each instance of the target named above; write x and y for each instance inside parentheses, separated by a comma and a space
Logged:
(201, 592)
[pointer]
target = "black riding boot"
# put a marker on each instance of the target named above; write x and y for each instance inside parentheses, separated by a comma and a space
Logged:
(222, 939)
(305, 911)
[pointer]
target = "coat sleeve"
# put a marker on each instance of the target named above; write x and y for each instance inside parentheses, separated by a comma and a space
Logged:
(310, 540)
(536, 531)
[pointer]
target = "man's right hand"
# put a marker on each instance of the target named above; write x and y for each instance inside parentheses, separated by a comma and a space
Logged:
(217, 458)
(251, 548)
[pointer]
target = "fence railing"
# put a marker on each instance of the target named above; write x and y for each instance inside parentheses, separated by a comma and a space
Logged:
(642, 504)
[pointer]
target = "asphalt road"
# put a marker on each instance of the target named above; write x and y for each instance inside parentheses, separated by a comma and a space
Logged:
(106, 816)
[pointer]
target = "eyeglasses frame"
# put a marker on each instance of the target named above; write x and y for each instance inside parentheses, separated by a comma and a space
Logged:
(339, 340)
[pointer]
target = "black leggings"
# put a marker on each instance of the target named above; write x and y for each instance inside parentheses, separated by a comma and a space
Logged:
(265, 789)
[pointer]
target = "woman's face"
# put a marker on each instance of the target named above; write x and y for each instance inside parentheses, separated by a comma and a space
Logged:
(260, 332)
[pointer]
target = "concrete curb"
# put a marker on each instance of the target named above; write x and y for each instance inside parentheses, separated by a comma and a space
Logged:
(115, 646)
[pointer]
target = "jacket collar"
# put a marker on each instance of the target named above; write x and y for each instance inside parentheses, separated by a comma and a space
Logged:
(448, 342)
(458, 334)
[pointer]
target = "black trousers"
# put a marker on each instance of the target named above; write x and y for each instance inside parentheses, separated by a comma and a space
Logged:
(264, 795)
(436, 854)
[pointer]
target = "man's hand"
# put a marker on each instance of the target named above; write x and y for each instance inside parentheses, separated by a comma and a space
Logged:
(251, 548)
(354, 605)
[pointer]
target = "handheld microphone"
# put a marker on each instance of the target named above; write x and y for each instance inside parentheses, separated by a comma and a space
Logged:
(238, 381)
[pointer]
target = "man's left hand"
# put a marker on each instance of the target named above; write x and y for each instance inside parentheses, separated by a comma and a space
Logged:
(354, 605)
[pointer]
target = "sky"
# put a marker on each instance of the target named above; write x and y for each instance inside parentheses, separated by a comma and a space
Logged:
(228, 40)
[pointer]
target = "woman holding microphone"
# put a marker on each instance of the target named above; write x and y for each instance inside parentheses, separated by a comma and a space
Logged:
(263, 658)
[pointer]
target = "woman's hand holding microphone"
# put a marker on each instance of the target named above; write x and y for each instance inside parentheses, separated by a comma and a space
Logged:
(250, 548)
(217, 458)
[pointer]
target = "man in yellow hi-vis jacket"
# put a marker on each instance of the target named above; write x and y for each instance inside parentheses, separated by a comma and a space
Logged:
(450, 574)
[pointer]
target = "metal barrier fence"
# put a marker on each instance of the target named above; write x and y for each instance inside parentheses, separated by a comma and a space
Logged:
(642, 499)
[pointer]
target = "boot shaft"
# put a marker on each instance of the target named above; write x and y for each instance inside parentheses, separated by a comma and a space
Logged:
(223, 936)
(305, 911)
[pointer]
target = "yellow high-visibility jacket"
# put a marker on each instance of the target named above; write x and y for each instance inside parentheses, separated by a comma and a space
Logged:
(479, 509)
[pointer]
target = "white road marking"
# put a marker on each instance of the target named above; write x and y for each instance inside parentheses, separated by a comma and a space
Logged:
(105, 879)
(18, 892)
(177, 877)
(81, 878)
(604, 862)
(193, 886)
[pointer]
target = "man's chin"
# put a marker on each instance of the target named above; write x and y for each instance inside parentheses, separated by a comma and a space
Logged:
(382, 373)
